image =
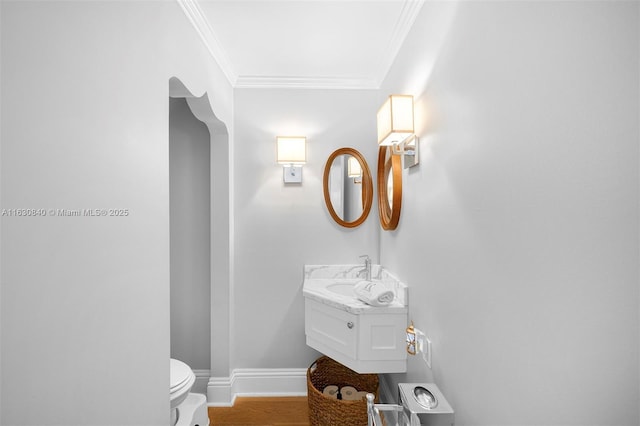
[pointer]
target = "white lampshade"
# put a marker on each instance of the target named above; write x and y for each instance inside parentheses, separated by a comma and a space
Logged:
(291, 149)
(395, 119)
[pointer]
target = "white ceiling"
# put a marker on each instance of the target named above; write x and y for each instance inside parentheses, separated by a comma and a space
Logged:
(304, 43)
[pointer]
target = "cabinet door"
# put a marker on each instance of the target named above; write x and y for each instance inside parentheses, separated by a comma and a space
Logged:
(382, 337)
(331, 327)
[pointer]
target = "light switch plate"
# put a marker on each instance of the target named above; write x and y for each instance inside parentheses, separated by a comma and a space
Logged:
(292, 174)
(424, 346)
(426, 352)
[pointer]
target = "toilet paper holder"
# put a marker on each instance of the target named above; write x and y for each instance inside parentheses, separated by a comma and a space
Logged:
(373, 412)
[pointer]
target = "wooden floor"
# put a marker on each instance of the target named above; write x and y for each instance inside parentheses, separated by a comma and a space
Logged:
(284, 411)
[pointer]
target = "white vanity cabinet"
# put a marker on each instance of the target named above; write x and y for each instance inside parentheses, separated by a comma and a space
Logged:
(365, 338)
(367, 342)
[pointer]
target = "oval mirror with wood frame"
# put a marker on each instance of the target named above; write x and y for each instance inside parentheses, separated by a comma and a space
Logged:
(347, 187)
(389, 188)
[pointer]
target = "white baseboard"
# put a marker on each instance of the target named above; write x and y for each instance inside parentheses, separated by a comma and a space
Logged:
(222, 391)
(202, 379)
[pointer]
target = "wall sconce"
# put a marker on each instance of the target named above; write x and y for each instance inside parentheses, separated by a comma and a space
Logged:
(354, 169)
(291, 153)
(395, 128)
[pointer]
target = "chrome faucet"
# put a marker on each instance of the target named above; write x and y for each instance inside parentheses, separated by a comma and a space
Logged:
(367, 267)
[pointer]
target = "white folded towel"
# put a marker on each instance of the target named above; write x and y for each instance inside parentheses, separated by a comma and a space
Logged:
(374, 293)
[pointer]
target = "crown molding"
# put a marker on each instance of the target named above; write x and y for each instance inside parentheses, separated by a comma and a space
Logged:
(292, 82)
(200, 23)
(408, 15)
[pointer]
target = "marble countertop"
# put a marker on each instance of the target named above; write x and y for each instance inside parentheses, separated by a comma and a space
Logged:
(317, 279)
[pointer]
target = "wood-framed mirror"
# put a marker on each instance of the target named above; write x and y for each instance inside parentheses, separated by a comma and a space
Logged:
(347, 187)
(389, 188)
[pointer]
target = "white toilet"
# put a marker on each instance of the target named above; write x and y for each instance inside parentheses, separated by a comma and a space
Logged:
(187, 409)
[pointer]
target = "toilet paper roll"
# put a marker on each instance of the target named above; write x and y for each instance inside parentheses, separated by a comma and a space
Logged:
(349, 393)
(331, 391)
(361, 395)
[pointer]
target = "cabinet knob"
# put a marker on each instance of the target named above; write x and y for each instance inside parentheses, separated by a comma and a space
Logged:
(350, 324)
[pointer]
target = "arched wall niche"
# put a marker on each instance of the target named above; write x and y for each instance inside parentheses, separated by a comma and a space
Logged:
(220, 224)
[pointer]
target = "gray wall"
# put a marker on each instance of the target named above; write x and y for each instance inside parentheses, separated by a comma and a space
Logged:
(84, 301)
(190, 218)
(519, 229)
(278, 227)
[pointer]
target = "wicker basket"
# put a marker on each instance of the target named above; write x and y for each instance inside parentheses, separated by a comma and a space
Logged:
(327, 411)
